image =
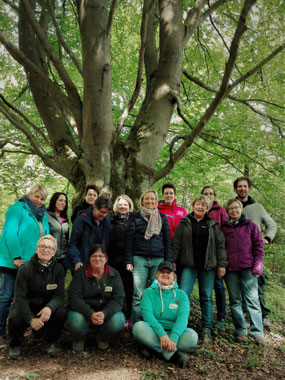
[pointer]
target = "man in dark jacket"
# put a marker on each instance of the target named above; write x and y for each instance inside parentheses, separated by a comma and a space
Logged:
(90, 227)
(38, 302)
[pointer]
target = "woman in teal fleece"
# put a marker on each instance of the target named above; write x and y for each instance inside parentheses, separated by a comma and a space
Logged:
(25, 223)
(165, 310)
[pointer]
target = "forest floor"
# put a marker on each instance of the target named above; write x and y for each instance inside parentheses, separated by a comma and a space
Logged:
(222, 359)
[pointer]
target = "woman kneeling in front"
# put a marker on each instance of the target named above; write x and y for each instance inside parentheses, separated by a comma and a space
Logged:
(96, 297)
(165, 310)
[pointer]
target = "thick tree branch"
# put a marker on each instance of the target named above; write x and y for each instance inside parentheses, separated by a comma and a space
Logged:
(69, 85)
(193, 19)
(111, 15)
(62, 40)
(140, 68)
(240, 29)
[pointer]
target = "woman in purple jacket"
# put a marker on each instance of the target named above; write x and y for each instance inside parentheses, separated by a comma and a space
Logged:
(245, 253)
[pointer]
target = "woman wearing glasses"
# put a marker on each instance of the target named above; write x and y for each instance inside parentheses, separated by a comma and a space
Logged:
(38, 301)
(245, 253)
(96, 297)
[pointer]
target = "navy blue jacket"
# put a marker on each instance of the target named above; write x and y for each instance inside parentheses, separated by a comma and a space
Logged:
(157, 246)
(84, 234)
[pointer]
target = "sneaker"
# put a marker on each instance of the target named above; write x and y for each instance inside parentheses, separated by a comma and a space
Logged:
(103, 345)
(3, 342)
(221, 323)
(240, 338)
(14, 353)
(259, 341)
(182, 359)
(77, 346)
(266, 323)
(52, 350)
(206, 335)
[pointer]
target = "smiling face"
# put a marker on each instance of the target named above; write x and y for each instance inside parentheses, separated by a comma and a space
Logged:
(169, 195)
(199, 209)
(149, 200)
(46, 250)
(234, 210)
(91, 197)
(165, 276)
(242, 190)
(100, 214)
(123, 207)
(37, 198)
(98, 260)
(209, 192)
(60, 203)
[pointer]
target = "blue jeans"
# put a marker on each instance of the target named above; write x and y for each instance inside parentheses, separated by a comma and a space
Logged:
(243, 284)
(145, 334)
(206, 280)
(7, 283)
(144, 269)
(220, 298)
(78, 326)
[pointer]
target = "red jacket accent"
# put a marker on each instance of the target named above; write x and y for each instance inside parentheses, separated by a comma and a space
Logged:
(218, 213)
(173, 214)
(89, 272)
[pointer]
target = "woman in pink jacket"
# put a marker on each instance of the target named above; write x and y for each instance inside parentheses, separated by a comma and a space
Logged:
(169, 207)
(245, 253)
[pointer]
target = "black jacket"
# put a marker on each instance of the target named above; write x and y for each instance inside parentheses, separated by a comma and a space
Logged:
(157, 246)
(117, 240)
(84, 234)
(87, 295)
(38, 286)
(78, 209)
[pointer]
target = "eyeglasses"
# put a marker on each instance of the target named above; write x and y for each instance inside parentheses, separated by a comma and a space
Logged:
(47, 247)
(233, 208)
(97, 257)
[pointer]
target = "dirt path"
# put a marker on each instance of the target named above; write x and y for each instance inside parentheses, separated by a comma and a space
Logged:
(224, 359)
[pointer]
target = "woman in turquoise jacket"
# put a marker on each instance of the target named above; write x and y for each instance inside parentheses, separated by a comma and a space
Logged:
(25, 223)
(165, 310)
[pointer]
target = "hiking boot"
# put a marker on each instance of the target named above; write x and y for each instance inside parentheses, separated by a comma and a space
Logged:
(14, 353)
(77, 346)
(266, 323)
(3, 342)
(103, 345)
(206, 335)
(182, 359)
(52, 350)
(259, 341)
(220, 324)
(240, 338)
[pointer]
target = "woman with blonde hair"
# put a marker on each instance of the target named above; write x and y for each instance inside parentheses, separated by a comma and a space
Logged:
(25, 223)
(123, 208)
(148, 244)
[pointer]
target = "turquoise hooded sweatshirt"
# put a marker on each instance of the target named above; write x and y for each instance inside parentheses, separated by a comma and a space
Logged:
(172, 314)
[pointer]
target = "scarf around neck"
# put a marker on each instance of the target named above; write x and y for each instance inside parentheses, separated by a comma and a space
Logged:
(38, 212)
(165, 287)
(154, 221)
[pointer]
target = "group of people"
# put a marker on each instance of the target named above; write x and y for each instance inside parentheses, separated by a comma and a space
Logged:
(113, 259)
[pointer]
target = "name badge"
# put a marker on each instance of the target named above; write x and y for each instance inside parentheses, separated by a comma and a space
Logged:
(51, 286)
(173, 306)
(108, 289)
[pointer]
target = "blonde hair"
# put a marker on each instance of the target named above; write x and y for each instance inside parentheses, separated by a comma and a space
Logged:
(126, 198)
(203, 199)
(149, 191)
(48, 237)
(40, 188)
